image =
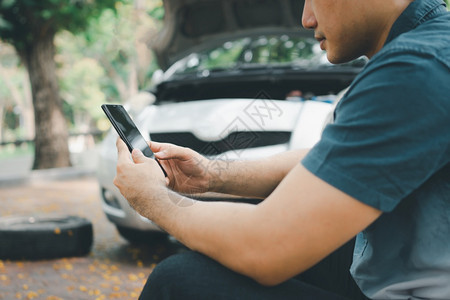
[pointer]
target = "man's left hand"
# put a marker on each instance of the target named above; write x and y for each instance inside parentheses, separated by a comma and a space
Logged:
(139, 179)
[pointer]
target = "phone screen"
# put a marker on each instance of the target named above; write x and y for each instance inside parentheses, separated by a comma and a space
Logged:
(126, 128)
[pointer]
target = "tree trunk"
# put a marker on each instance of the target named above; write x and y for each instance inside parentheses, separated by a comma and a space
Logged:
(51, 137)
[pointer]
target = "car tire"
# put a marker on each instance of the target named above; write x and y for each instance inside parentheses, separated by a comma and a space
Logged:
(44, 237)
(141, 237)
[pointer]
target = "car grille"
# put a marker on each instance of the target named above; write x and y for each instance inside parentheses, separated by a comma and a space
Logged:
(235, 141)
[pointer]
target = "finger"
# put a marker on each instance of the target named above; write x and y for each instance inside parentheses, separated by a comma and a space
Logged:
(123, 154)
(165, 150)
(138, 157)
(170, 151)
(157, 147)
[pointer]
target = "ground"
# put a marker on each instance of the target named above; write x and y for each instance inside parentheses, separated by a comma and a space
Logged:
(113, 270)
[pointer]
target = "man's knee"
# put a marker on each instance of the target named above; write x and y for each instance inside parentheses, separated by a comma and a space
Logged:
(180, 275)
(190, 275)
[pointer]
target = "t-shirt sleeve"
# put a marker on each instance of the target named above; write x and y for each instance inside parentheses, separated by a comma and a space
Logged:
(391, 131)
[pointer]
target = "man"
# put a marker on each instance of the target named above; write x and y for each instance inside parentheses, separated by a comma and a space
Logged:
(381, 170)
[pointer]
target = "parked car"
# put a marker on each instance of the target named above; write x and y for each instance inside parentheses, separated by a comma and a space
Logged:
(235, 85)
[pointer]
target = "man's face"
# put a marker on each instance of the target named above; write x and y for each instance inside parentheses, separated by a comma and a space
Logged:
(348, 29)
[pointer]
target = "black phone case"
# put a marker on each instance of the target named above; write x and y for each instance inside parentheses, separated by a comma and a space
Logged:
(106, 108)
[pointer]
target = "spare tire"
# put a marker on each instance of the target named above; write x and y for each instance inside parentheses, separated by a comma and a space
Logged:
(141, 237)
(44, 237)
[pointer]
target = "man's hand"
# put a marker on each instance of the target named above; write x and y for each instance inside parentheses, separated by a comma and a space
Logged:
(187, 171)
(139, 179)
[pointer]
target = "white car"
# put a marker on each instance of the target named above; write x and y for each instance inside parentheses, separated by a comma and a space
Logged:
(242, 92)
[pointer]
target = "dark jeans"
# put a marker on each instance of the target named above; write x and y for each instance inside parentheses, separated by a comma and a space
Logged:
(190, 275)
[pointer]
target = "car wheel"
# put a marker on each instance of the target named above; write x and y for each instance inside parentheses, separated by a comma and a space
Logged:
(44, 237)
(140, 237)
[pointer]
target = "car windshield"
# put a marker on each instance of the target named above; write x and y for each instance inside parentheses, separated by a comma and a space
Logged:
(264, 51)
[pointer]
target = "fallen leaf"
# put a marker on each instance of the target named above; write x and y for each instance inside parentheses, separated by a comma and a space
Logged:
(105, 285)
(114, 268)
(132, 277)
(32, 295)
(83, 288)
(70, 288)
(53, 298)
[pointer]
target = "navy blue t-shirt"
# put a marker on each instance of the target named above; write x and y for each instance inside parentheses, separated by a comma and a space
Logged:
(389, 147)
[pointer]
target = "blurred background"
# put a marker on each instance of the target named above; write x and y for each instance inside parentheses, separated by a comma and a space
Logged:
(59, 61)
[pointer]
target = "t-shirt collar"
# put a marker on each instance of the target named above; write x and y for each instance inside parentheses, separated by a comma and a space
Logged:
(416, 13)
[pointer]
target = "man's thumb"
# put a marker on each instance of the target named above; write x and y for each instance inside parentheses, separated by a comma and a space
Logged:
(137, 156)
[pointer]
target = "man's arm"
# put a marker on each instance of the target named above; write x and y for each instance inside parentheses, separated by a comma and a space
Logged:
(189, 172)
(300, 223)
(254, 178)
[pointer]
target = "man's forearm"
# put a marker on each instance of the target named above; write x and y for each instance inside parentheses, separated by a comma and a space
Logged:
(222, 230)
(269, 242)
(253, 178)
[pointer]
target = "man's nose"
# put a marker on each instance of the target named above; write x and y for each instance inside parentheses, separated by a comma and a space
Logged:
(308, 19)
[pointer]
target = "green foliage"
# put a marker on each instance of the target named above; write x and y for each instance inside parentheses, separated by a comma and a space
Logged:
(157, 12)
(21, 20)
(93, 63)
(12, 81)
(95, 49)
(81, 89)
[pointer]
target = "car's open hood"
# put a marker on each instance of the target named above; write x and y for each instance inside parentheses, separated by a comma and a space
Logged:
(190, 25)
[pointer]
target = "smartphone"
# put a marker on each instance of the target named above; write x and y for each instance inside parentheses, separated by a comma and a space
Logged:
(127, 130)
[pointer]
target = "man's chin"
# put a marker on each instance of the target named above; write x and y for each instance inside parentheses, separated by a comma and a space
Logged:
(331, 58)
(337, 59)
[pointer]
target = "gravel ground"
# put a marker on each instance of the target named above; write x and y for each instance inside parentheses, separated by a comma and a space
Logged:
(113, 270)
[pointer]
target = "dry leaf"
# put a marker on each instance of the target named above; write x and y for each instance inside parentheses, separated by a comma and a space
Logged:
(83, 288)
(32, 295)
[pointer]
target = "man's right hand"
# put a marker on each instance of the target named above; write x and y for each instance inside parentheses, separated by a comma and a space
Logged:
(187, 170)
